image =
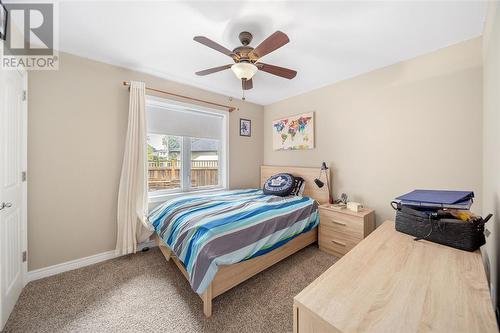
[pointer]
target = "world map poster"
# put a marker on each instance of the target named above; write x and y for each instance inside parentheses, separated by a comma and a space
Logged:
(294, 132)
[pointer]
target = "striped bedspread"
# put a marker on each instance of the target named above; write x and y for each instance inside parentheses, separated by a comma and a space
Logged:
(206, 231)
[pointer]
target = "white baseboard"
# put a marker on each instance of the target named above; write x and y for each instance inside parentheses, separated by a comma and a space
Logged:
(78, 263)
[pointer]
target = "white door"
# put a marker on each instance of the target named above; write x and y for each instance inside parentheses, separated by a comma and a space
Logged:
(12, 189)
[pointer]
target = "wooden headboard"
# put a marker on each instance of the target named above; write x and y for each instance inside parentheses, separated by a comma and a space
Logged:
(309, 174)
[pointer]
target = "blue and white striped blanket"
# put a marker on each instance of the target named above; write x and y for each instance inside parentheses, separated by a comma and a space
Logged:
(206, 231)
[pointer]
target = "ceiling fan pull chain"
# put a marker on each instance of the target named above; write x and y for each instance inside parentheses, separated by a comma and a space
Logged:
(243, 98)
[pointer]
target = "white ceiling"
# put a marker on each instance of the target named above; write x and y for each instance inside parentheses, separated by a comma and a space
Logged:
(329, 41)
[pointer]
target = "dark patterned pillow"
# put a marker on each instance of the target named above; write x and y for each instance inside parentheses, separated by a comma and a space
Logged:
(298, 188)
(281, 184)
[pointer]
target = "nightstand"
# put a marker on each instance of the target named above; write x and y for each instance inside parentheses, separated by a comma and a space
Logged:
(341, 229)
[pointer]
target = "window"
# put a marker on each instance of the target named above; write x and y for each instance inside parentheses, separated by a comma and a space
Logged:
(204, 162)
(186, 148)
(164, 162)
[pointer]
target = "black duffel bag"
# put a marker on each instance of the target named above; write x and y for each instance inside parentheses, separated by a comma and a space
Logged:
(468, 236)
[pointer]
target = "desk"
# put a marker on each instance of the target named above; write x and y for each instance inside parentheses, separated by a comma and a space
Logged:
(391, 283)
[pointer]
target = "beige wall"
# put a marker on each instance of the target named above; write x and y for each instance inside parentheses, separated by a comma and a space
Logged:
(77, 124)
(491, 140)
(415, 124)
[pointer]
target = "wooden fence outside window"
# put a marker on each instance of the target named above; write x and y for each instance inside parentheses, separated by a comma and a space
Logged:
(166, 175)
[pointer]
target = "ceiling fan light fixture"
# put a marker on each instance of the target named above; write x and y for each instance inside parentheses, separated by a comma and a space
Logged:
(244, 70)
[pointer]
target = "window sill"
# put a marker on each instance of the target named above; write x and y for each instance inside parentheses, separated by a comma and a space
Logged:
(157, 198)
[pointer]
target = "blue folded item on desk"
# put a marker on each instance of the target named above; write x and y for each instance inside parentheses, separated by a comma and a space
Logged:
(438, 199)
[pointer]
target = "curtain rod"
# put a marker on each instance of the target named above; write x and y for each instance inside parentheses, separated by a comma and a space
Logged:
(230, 108)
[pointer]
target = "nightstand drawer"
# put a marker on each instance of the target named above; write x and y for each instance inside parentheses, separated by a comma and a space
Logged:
(336, 242)
(345, 224)
(340, 230)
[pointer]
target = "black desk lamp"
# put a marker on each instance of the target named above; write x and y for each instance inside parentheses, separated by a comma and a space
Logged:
(320, 184)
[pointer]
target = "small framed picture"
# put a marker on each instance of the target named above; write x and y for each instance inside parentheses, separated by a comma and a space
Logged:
(3, 21)
(245, 127)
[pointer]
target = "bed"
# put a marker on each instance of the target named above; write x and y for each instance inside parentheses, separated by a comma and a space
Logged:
(221, 239)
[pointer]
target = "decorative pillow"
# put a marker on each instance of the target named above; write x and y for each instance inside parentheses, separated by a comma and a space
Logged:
(298, 188)
(281, 184)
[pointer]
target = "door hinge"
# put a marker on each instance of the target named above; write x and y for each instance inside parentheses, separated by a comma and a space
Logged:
(25, 255)
(24, 95)
(23, 176)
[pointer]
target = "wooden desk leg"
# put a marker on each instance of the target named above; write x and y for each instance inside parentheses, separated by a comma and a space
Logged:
(207, 301)
(295, 318)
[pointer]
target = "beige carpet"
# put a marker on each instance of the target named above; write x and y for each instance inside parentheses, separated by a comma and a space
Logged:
(144, 293)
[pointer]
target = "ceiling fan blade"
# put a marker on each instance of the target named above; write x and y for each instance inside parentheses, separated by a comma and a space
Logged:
(213, 70)
(271, 43)
(213, 45)
(276, 70)
(247, 84)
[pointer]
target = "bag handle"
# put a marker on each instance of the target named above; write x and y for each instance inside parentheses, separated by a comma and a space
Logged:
(397, 206)
(428, 234)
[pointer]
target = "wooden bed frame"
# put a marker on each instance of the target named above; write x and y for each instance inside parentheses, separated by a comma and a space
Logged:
(231, 275)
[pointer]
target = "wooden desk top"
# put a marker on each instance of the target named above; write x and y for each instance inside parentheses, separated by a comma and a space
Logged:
(391, 283)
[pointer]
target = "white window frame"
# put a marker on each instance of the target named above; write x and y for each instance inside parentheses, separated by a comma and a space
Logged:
(161, 195)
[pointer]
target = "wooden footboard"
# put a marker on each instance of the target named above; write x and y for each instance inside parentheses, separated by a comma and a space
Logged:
(231, 275)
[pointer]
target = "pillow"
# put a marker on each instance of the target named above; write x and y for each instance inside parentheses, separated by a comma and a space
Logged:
(298, 188)
(281, 184)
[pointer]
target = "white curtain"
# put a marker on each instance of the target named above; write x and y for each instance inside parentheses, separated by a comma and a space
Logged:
(133, 227)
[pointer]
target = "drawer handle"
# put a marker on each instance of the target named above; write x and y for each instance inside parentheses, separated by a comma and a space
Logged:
(337, 242)
(337, 222)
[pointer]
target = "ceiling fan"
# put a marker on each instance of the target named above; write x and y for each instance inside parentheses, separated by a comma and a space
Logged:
(246, 58)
